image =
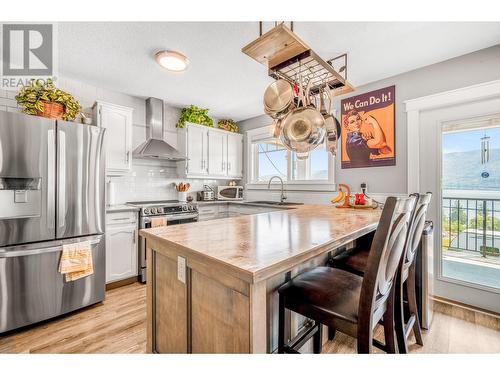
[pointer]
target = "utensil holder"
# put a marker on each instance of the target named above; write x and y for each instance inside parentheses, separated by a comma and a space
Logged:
(182, 196)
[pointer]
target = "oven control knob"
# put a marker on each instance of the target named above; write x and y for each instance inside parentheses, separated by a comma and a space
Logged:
(184, 208)
(153, 210)
(160, 210)
(191, 208)
(146, 211)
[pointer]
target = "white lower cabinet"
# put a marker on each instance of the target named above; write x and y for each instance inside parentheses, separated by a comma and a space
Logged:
(121, 246)
(209, 212)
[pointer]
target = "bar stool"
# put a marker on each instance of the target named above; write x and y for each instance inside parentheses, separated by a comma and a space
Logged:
(406, 314)
(347, 302)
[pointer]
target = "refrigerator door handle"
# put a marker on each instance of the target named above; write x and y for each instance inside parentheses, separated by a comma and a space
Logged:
(44, 250)
(51, 178)
(61, 179)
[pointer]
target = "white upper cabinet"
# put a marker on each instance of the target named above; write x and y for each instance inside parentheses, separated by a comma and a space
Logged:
(117, 120)
(217, 153)
(209, 152)
(197, 150)
(235, 155)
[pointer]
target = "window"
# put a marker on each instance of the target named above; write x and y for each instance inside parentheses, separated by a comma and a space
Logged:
(272, 160)
(268, 157)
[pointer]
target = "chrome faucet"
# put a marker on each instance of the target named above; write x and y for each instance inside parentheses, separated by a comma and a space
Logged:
(283, 197)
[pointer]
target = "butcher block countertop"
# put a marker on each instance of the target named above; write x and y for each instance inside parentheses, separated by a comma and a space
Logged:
(256, 247)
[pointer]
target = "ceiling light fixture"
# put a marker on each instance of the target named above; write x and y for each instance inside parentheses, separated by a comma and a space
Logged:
(172, 60)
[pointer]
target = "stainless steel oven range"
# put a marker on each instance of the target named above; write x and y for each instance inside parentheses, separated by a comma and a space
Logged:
(174, 211)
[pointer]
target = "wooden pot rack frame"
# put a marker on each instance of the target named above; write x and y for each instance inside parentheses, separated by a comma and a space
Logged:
(286, 56)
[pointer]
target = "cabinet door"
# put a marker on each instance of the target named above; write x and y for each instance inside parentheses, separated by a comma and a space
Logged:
(121, 252)
(217, 153)
(118, 137)
(234, 155)
(197, 150)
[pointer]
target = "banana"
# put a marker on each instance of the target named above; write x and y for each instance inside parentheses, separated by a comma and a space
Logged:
(340, 196)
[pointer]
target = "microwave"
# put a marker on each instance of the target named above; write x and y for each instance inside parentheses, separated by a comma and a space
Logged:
(227, 193)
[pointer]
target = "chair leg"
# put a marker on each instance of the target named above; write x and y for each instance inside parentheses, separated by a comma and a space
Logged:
(365, 337)
(399, 321)
(281, 325)
(412, 305)
(331, 333)
(318, 340)
(390, 342)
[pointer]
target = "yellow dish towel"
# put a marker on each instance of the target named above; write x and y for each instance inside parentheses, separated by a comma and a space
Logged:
(158, 222)
(76, 261)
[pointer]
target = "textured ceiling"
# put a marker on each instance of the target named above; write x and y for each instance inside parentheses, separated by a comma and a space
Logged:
(119, 56)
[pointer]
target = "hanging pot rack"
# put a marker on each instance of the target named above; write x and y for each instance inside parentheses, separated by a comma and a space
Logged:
(288, 57)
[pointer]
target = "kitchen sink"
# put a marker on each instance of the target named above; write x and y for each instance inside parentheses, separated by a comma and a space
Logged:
(274, 203)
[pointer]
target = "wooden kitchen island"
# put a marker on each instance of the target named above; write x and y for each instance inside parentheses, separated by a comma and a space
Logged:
(212, 285)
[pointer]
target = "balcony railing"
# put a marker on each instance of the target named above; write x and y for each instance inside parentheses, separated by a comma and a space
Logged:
(471, 224)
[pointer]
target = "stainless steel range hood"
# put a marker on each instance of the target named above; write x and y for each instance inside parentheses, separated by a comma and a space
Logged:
(155, 146)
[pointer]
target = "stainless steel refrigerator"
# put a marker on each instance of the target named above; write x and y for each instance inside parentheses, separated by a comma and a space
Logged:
(51, 193)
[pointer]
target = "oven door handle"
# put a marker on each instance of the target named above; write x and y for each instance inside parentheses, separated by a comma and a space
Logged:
(147, 220)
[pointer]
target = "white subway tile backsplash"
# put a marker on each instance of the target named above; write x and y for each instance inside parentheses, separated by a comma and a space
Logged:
(8, 102)
(147, 181)
(11, 94)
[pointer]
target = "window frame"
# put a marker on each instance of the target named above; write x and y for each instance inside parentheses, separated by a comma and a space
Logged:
(297, 185)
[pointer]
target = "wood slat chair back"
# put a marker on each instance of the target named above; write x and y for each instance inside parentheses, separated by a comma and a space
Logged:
(416, 228)
(385, 256)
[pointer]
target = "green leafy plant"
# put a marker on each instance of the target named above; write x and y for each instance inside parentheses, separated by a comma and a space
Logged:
(195, 115)
(490, 250)
(32, 97)
(229, 125)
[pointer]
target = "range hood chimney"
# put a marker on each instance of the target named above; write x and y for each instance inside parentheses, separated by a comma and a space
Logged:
(155, 146)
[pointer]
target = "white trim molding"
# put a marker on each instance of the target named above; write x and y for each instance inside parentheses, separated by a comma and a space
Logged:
(415, 106)
(265, 132)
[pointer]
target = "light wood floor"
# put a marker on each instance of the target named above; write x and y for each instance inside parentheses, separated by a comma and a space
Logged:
(119, 326)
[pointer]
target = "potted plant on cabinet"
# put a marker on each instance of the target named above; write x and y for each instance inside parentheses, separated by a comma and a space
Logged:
(195, 115)
(43, 98)
(228, 125)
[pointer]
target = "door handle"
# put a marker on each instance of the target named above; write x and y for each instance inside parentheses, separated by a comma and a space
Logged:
(61, 183)
(45, 250)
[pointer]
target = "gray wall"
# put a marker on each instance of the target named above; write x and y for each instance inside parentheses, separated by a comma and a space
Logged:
(477, 67)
